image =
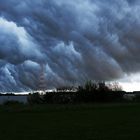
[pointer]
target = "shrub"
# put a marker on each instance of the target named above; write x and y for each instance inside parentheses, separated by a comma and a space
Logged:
(35, 98)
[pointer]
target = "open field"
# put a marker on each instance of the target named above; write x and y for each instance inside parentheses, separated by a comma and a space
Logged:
(70, 122)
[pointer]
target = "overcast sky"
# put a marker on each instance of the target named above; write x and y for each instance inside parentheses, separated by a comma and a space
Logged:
(77, 40)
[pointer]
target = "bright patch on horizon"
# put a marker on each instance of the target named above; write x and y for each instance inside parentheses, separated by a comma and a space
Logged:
(130, 82)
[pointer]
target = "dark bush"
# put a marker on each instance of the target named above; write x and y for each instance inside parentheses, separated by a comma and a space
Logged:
(35, 98)
(59, 97)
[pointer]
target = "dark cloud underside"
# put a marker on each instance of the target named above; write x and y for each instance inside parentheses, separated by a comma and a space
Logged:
(76, 40)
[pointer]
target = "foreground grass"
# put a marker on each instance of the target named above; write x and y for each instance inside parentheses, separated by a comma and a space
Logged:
(70, 122)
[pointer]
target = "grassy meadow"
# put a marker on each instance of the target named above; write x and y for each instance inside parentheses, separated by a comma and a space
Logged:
(70, 122)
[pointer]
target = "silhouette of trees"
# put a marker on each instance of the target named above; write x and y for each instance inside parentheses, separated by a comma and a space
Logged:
(89, 92)
(116, 87)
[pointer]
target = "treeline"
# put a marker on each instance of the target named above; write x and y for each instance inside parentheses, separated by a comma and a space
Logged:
(88, 93)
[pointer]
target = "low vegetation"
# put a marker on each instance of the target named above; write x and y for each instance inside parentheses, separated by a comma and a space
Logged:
(70, 122)
(95, 111)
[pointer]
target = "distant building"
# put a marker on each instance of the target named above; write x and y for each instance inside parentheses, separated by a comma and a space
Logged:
(129, 97)
(136, 93)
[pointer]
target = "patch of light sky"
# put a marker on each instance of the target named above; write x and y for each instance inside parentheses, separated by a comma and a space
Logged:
(130, 82)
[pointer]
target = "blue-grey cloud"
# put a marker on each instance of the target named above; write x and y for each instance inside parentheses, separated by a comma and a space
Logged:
(76, 40)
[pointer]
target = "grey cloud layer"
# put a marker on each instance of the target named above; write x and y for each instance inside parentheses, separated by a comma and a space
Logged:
(77, 40)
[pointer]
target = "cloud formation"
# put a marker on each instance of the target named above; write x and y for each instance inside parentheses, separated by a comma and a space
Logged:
(77, 40)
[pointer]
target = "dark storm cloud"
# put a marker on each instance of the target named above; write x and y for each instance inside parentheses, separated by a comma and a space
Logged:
(77, 40)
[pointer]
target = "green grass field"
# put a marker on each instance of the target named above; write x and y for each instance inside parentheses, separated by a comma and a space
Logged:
(70, 122)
